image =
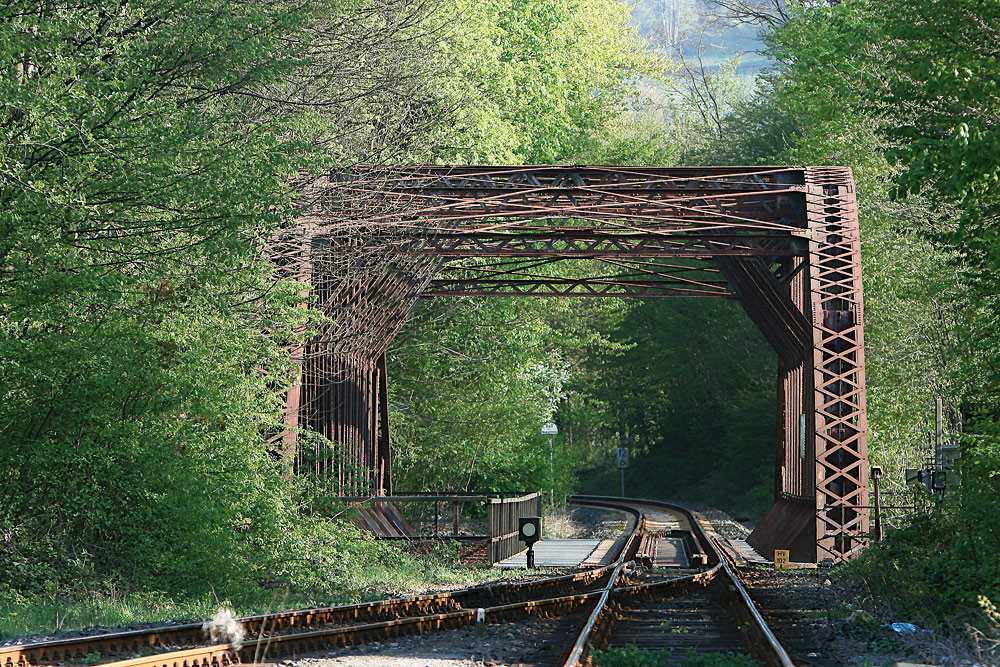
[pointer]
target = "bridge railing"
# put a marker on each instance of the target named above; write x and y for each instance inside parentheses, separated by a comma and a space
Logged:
(501, 523)
(487, 519)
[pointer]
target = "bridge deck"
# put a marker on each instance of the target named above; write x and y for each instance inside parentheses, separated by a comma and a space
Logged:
(562, 553)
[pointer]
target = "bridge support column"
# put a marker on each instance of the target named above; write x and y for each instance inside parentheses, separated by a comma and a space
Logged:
(384, 458)
(841, 427)
(821, 466)
(344, 399)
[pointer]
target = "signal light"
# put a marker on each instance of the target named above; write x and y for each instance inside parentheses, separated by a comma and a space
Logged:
(529, 529)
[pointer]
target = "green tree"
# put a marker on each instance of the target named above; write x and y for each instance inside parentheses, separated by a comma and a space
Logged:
(473, 381)
(538, 80)
(905, 93)
(147, 152)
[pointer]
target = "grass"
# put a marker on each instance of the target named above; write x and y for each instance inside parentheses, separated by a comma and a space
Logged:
(631, 656)
(28, 614)
(558, 525)
(60, 609)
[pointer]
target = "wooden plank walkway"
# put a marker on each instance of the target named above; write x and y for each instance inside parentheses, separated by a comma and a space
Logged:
(560, 553)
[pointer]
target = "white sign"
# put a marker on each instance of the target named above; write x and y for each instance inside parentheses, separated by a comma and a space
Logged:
(550, 429)
(623, 457)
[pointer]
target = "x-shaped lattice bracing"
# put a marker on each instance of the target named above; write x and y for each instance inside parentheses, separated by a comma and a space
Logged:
(783, 240)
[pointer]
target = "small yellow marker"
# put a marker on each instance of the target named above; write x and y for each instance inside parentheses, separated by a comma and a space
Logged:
(780, 559)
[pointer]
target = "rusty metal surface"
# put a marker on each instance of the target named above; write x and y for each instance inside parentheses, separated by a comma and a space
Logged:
(294, 634)
(789, 524)
(271, 649)
(374, 614)
(840, 427)
(783, 241)
(626, 608)
(382, 519)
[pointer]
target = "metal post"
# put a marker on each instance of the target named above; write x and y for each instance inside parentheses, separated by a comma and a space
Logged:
(436, 514)
(454, 528)
(938, 431)
(552, 492)
(623, 481)
(876, 481)
(491, 530)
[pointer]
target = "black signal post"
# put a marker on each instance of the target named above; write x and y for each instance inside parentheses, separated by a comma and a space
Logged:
(529, 529)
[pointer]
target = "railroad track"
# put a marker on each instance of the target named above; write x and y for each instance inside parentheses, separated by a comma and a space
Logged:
(621, 603)
(705, 612)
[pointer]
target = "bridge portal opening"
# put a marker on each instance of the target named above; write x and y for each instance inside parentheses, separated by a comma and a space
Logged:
(782, 241)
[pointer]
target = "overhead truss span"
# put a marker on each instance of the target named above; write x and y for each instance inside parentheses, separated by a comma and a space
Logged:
(783, 241)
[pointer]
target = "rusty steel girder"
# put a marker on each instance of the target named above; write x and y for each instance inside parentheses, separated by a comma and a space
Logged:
(593, 287)
(838, 347)
(784, 241)
(588, 244)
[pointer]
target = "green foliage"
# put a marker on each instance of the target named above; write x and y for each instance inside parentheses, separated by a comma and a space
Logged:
(685, 393)
(473, 381)
(632, 656)
(537, 81)
(132, 339)
(721, 659)
(147, 153)
(811, 109)
(901, 92)
(942, 52)
(333, 564)
(940, 568)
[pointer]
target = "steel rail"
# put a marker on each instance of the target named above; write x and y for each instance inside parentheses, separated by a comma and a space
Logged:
(766, 646)
(284, 646)
(357, 624)
(62, 650)
(421, 613)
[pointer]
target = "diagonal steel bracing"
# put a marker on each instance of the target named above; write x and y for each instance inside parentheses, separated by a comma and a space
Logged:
(784, 241)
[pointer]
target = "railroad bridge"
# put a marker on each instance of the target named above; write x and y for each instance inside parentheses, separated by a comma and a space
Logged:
(783, 241)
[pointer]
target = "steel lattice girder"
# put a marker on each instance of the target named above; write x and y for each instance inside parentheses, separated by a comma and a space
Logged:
(441, 198)
(838, 363)
(785, 239)
(588, 244)
(594, 287)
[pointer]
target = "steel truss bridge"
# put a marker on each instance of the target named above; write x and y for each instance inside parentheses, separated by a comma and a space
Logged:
(783, 241)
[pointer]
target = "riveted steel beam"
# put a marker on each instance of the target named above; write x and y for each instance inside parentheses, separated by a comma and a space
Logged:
(783, 240)
(592, 287)
(589, 244)
(838, 364)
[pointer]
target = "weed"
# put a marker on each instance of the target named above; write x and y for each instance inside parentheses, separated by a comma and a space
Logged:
(68, 608)
(676, 630)
(632, 656)
(727, 659)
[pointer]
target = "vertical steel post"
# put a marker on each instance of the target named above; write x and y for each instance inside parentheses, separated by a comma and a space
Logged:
(876, 478)
(384, 453)
(938, 432)
(841, 429)
(491, 529)
(552, 491)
